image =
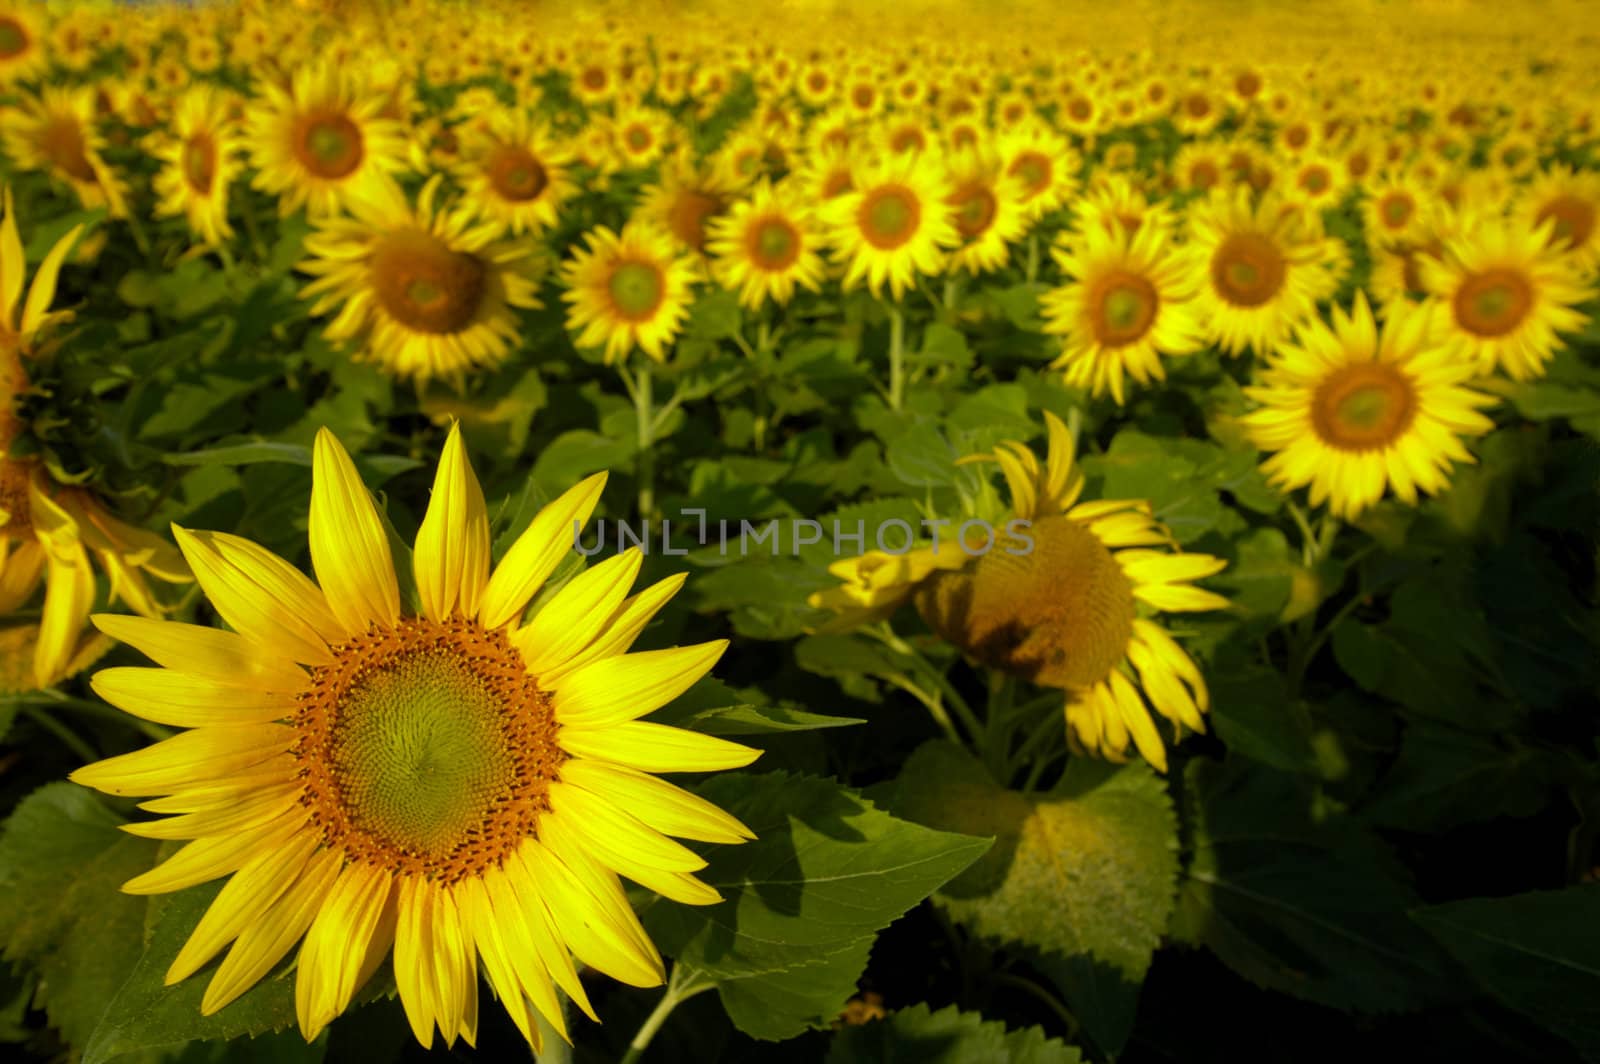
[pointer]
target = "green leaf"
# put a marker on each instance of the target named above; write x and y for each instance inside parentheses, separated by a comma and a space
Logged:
(1137, 466)
(919, 1035)
(1253, 714)
(1262, 575)
(803, 902)
(62, 862)
(1084, 874)
(1445, 777)
(922, 457)
(752, 720)
(1539, 953)
(1311, 907)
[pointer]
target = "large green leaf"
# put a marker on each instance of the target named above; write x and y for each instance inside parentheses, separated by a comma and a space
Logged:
(804, 901)
(920, 1036)
(62, 860)
(1539, 953)
(1084, 874)
(1307, 906)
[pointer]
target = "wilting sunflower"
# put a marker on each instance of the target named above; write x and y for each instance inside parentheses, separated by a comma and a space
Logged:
(200, 160)
(1504, 291)
(766, 245)
(627, 290)
(1262, 268)
(893, 225)
(48, 531)
(1129, 301)
(1354, 412)
(985, 207)
(435, 776)
(322, 141)
(21, 48)
(515, 171)
(425, 292)
(55, 132)
(1569, 201)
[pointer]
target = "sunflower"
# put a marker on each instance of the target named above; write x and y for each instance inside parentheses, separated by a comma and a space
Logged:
(1114, 202)
(515, 172)
(1570, 201)
(985, 207)
(433, 776)
(1044, 165)
(1396, 210)
(1128, 302)
(685, 200)
(1262, 268)
(766, 245)
(48, 532)
(1200, 166)
(321, 142)
(200, 159)
(1503, 292)
(22, 52)
(627, 290)
(1354, 412)
(893, 225)
(425, 292)
(54, 131)
(641, 135)
(828, 173)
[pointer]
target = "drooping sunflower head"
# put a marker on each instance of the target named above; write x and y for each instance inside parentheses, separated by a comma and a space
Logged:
(56, 131)
(436, 776)
(423, 291)
(1354, 412)
(894, 224)
(627, 290)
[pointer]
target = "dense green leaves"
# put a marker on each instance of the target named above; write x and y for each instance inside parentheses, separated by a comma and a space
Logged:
(919, 1035)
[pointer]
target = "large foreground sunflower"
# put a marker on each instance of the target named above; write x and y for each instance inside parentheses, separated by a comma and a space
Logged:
(427, 292)
(438, 777)
(1353, 412)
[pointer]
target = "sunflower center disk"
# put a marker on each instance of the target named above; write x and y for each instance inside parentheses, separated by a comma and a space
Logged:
(1494, 302)
(889, 217)
(1248, 270)
(1034, 170)
(62, 143)
(1397, 210)
(1127, 308)
(516, 175)
(1060, 615)
(775, 245)
(1574, 220)
(975, 210)
(200, 162)
(425, 285)
(687, 218)
(13, 41)
(636, 290)
(426, 748)
(329, 145)
(18, 526)
(1363, 407)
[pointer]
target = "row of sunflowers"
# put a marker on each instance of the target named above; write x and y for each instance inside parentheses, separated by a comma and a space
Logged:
(1132, 476)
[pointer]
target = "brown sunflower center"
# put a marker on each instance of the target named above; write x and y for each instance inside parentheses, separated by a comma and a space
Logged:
(200, 162)
(1033, 168)
(1574, 220)
(1494, 302)
(1080, 109)
(1363, 407)
(425, 285)
(837, 184)
(1247, 85)
(1060, 615)
(889, 216)
(689, 213)
(328, 143)
(63, 143)
(515, 174)
(1123, 307)
(638, 138)
(637, 289)
(1248, 269)
(14, 477)
(1315, 180)
(426, 749)
(975, 207)
(1203, 175)
(13, 38)
(773, 243)
(1396, 209)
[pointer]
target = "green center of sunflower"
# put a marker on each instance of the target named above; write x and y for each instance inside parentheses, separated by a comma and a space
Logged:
(420, 751)
(200, 162)
(426, 748)
(425, 285)
(889, 216)
(1494, 302)
(13, 39)
(1059, 615)
(329, 145)
(636, 290)
(774, 244)
(1366, 406)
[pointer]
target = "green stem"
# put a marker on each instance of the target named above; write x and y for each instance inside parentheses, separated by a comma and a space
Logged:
(928, 671)
(1032, 267)
(1043, 996)
(897, 358)
(557, 1050)
(149, 729)
(1046, 729)
(71, 741)
(643, 400)
(678, 991)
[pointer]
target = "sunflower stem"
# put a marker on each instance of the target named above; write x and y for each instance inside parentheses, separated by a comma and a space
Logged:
(644, 414)
(68, 739)
(1032, 268)
(556, 1049)
(897, 358)
(679, 989)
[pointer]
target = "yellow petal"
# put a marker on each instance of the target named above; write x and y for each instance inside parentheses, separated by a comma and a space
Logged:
(44, 282)
(187, 758)
(336, 947)
(538, 952)
(536, 553)
(577, 613)
(68, 598)
(349, 548)
(482, 928)
(596, 929)
(451, 560)
(211, 858)
(261, 596)
(669, 809)
(261, 945)
(625, 859)
(226, 657)
(613, 690)
(611, 831)
(655, 747)
(244, 899)
(620, 631)
(185, 700)
(413, 957)
(13, 266)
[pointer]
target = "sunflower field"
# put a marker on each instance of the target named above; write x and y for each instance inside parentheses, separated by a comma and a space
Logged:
(698, 531)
